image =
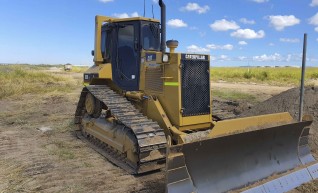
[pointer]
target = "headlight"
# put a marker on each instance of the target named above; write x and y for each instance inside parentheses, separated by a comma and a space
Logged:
(165, 58)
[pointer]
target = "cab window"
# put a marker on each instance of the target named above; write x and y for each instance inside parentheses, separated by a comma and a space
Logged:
(150, 37)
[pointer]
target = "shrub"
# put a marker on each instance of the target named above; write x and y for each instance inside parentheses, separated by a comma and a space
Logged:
(247, 75)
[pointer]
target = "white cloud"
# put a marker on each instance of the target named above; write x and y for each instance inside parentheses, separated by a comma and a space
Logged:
(126, 15)
(196, 49)
(271, 44)
(176, 23)
(314, 19)
(208, 47)
(121, 15)
(276, 57)
(289, 40)
(212, 58)
(246, 21)
(134, 14)
(227, 47)
(260, 1)
(266, 58)
(288, 58)
(155, 1)
(248, 34)
(242, 43)
(106, 1)
(316, 29)
(242, 57)
(224, 57)
(224, 25)
(220, 47)
(196, 7)
(279, 22)
(314, 3)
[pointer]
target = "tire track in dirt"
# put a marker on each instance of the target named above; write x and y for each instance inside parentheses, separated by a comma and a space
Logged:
(21, 157)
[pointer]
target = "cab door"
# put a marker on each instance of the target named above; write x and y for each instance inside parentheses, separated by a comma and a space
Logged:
(125, 63)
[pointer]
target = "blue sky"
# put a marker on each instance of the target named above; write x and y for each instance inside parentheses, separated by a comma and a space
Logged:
(233, 32)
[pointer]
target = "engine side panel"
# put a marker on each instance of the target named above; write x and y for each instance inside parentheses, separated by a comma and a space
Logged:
(185, 81)
(195, 85)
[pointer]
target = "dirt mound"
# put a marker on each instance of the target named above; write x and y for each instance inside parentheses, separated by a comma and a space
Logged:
(228, 109)
(288, 101)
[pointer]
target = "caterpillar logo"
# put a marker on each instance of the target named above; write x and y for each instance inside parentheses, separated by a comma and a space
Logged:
(194, 57)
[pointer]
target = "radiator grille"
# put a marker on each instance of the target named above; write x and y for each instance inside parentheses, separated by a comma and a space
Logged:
(195, 87)
(154, 82)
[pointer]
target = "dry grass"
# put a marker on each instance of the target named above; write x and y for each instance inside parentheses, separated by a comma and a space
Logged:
(23, 79)
(61, 149)
(272, 76)
(79, 69)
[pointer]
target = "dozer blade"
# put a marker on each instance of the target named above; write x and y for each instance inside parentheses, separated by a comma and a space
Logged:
(274, 159)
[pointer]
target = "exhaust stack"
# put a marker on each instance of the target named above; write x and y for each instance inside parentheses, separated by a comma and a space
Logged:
(163, 26)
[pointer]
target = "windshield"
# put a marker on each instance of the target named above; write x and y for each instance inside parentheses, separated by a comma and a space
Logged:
(150, 36)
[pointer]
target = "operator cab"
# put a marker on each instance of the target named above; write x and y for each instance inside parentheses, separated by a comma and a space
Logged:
(121, 45)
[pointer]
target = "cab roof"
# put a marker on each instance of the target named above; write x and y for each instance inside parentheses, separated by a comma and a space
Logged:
(133, 19)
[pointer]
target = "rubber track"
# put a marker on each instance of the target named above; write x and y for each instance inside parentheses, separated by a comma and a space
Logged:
(127, 115)
(106, 151)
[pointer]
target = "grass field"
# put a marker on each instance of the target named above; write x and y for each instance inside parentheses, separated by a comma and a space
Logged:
(22, 79)
(79, 69)
(273, 76)
(16, 80)
(233, 95)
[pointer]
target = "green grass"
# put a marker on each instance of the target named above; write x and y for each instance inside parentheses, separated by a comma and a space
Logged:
(233, 95)
(273, 76)
(24, 79)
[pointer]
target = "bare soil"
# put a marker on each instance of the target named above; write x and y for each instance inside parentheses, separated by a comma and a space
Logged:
(40, 152)
(228, 109)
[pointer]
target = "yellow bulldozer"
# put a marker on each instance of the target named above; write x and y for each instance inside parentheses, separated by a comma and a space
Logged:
(147, 109)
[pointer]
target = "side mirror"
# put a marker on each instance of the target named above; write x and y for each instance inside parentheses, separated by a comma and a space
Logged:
(93, 52)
